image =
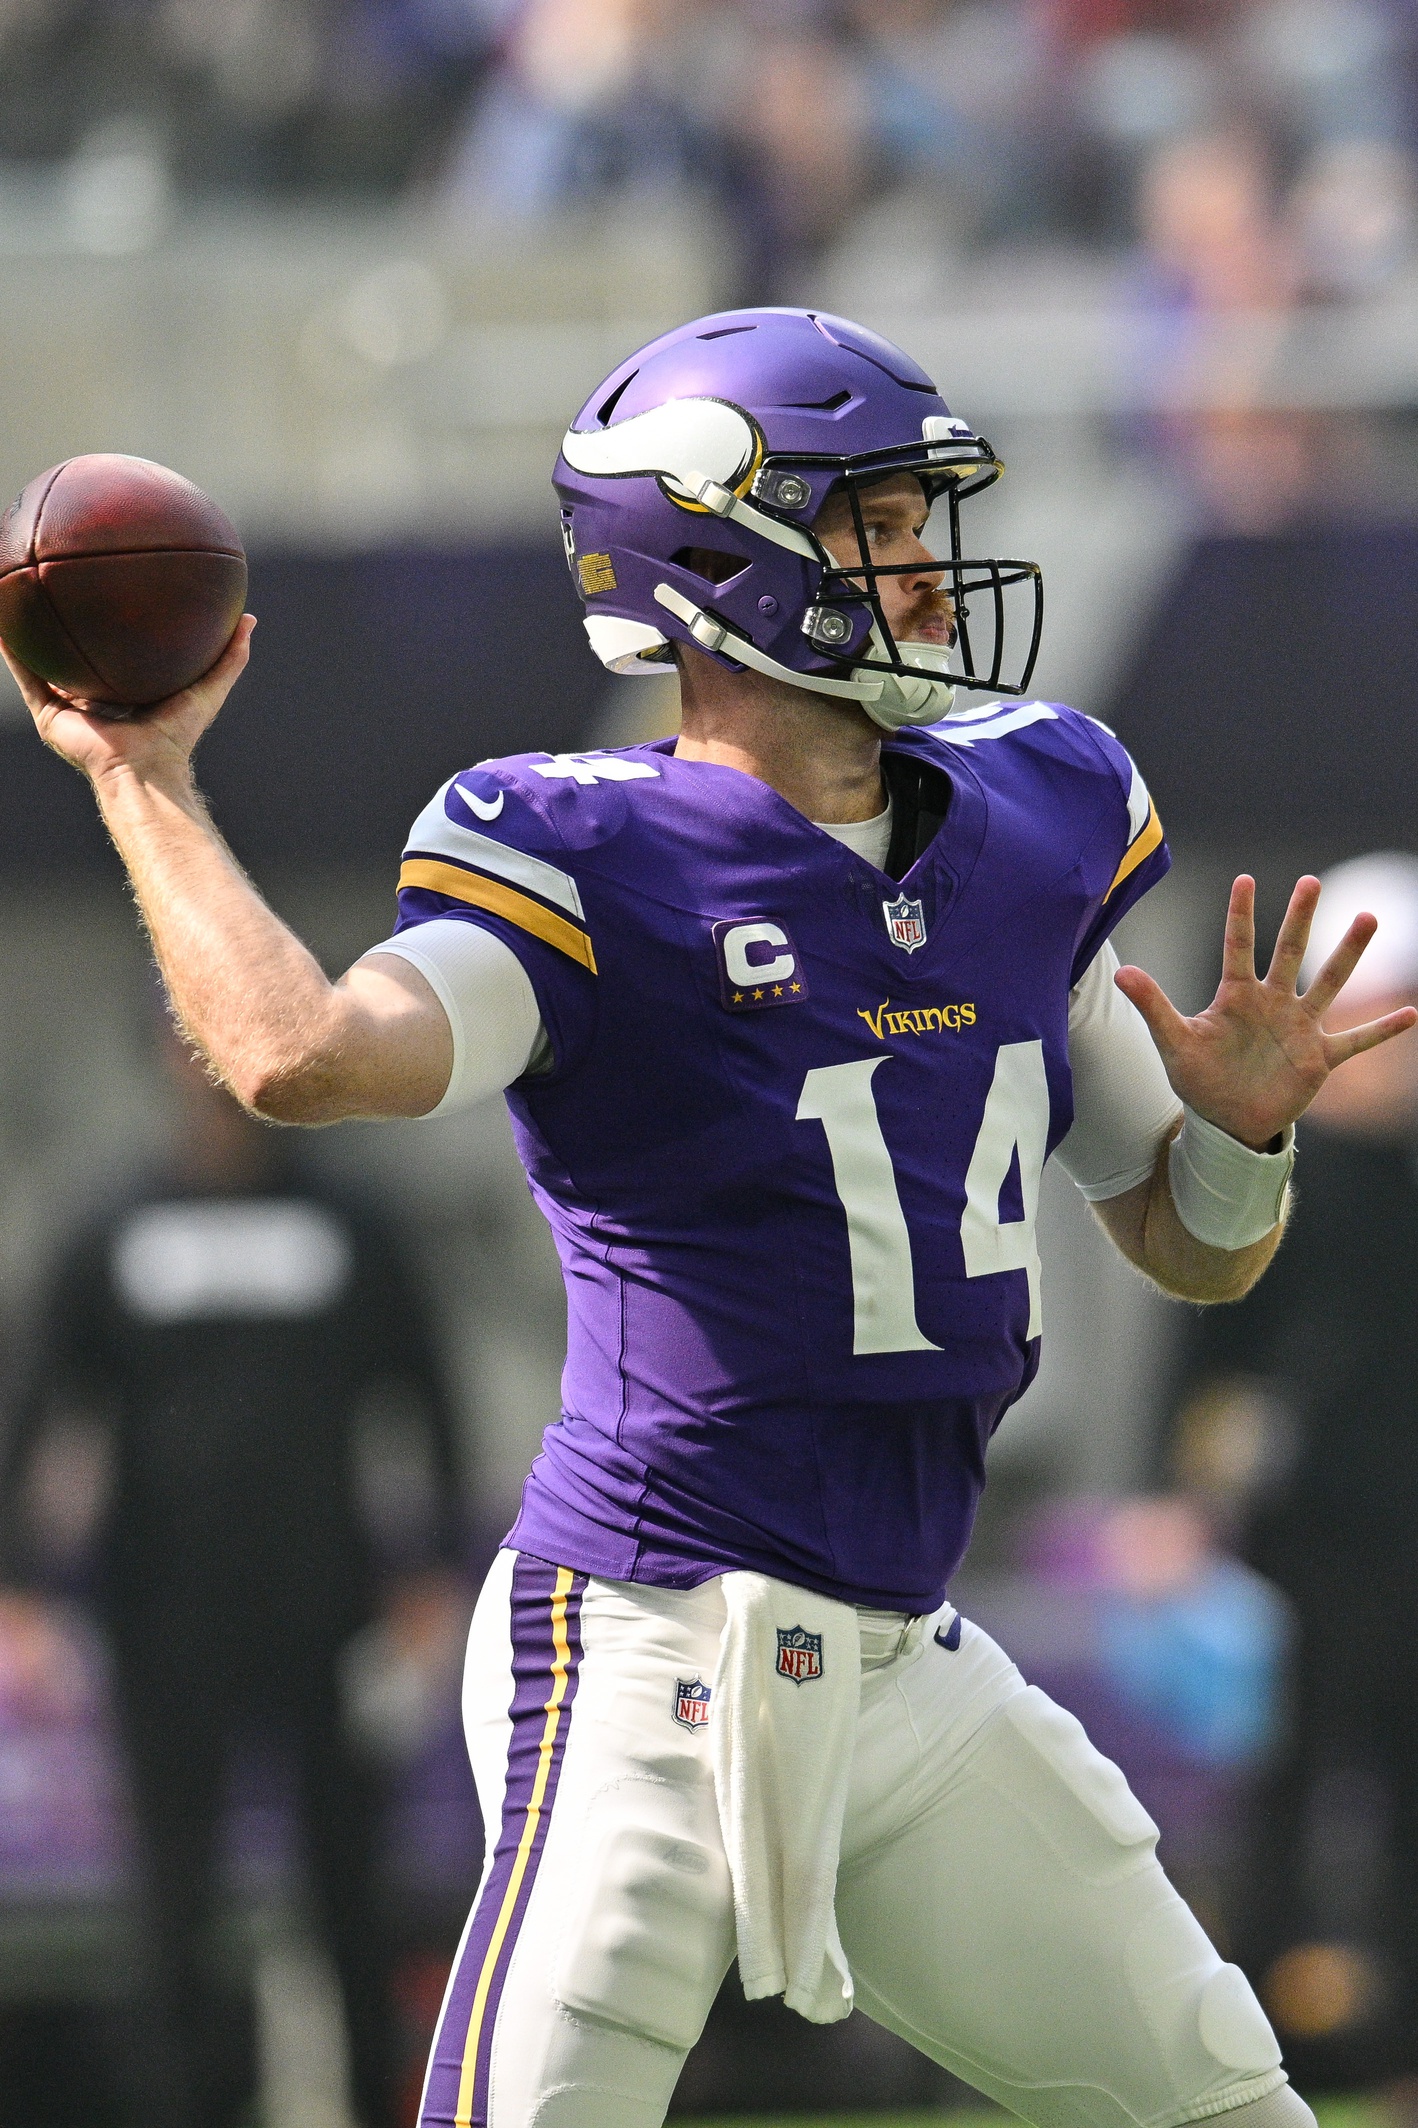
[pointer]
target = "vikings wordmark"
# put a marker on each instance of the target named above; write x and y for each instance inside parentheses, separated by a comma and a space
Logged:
(920, 1019)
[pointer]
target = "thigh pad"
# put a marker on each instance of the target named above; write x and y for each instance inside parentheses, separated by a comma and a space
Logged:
(1036, 1754)
(650, 1934)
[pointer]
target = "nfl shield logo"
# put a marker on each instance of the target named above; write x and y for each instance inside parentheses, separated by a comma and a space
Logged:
(905, 923)
(799, 1654)
(692, 1703)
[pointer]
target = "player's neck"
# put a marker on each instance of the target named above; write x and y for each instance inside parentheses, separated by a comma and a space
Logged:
(823, 756)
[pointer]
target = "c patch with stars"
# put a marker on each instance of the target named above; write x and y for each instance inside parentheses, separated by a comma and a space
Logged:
(758, 964)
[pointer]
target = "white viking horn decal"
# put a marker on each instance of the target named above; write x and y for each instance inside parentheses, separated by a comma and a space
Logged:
(687, 441)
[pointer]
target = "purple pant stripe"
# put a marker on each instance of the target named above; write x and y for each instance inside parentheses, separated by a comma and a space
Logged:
(546, 1639)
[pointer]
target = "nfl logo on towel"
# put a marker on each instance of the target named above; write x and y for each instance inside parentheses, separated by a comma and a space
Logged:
(905, 923)
(799, 1654)
(692, 1703)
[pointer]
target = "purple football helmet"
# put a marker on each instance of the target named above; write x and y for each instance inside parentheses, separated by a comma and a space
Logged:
(689, 483)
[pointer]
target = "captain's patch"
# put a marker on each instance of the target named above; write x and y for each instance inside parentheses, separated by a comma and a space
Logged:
(758, 965)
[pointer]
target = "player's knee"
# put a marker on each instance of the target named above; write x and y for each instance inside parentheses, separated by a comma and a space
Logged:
(1281, 2108)
(583, 2105)
(651, 1934)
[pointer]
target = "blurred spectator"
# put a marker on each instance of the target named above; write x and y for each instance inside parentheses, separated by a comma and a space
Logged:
(206, 1389)
(758, 109)
(798, 119)
(244, 96)
(1219, 288)
(1353, 215)
(1130, 1614)
(959, 96)
(583, 106)
(1300, 1420)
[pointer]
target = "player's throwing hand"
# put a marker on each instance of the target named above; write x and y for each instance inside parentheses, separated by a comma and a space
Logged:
(156, 742)
(1253, 1061)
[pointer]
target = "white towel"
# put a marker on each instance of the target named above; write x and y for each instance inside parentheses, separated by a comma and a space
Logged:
(786, 1696)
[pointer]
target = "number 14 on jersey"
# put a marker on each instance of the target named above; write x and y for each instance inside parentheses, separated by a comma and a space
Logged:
(1016, 1119)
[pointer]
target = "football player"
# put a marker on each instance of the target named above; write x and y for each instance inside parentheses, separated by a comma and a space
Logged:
(790, 1012)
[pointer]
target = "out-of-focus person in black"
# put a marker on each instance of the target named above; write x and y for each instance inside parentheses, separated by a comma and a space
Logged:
(1299, 1418)
(229, 1323)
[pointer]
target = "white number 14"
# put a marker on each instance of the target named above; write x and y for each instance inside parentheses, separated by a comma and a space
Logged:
(840, 1098)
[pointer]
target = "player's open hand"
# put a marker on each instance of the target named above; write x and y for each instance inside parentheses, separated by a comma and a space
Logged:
(1255, 1059)
(156, 741)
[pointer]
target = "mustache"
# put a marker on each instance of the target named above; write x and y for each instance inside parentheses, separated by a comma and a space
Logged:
(929, 606)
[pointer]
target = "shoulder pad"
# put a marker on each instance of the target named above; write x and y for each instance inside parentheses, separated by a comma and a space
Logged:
(996, 720)
(582, 799)
(479, 844)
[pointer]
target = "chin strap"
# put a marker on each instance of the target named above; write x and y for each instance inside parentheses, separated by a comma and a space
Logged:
(719, 501)
(712, 635)
(889, 702)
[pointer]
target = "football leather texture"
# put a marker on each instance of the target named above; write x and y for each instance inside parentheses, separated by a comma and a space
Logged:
(120, 581)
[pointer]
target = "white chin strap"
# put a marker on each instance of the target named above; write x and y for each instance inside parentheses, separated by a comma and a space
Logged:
(888, 699)
(918, 700)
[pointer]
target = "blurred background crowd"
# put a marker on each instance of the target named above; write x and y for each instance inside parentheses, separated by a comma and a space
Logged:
(353, 265)
(1075, 121)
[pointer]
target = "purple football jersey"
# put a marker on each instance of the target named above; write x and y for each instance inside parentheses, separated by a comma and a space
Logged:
(790, 1141)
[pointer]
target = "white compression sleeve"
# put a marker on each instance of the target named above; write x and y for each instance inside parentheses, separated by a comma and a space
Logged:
(488, 996)
(1123, 1104)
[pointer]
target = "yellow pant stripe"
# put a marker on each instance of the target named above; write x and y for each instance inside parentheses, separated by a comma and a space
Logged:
(559, 1671)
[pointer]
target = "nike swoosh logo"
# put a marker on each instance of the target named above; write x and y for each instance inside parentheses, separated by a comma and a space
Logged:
(481, 806)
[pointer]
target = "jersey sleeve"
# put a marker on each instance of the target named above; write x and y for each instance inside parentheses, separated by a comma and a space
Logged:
(1123, 1103)
(482, 854)
(1133, 859)
(487, 996)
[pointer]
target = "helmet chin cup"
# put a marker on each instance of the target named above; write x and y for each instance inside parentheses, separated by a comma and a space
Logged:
(909, 700)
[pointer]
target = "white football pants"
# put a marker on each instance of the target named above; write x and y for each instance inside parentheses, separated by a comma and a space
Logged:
(999, 1898)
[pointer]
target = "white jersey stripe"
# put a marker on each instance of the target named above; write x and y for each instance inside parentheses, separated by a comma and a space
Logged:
(434, 835)
(1139, 806)
(1002, 721)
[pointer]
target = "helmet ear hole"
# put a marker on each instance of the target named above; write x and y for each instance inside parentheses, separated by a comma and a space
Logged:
(713, 564)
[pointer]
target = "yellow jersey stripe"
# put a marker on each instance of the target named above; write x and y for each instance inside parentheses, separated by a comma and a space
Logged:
(502, 900)
(1145, 844)
(433, 834)
(560, 1668)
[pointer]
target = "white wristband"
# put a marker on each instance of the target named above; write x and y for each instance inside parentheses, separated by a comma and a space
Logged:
(1226, 1195)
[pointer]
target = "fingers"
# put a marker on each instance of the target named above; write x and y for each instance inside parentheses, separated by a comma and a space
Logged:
(37, 692)
(219, 679)
(1164, 1023)
(1339, 1048)
(1340, 966)
(1294, 933)
(238, 650)
(1238, 953)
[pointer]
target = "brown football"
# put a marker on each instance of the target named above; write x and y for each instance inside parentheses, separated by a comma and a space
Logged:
(119, 580)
